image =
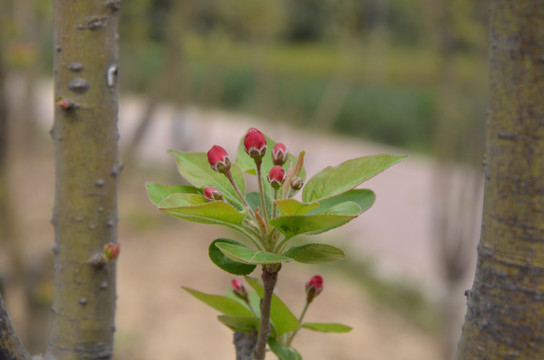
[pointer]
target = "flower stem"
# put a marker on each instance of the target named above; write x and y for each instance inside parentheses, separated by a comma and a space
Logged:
(261, 189)
(275, 207)
(270, 277)
(299, 324)
(229, 177)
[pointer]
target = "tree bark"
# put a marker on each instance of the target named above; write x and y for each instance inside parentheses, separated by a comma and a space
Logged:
(10, 346)
(506, 302)
(85, 138)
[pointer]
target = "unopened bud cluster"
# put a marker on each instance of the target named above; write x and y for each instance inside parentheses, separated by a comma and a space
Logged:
(255, 146)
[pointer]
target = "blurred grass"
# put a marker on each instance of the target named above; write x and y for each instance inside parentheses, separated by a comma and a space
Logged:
(398, 295)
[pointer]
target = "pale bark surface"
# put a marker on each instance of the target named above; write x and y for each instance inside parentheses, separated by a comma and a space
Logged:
(506, 302)
(85, 140)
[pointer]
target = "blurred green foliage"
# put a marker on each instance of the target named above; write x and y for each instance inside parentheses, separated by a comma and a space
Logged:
(388, 56)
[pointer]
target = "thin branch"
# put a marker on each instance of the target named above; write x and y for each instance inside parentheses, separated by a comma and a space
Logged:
(244, 344)
(270, 277)
(10, 344)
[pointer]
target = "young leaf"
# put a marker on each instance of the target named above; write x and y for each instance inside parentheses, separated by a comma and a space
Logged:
(220, 303)
(335, 180)
(282, 352)
(335, 216)
(363, 197)
(283, 319)
(246, 255)
(243, 324)
(194, 167)
(290, 207)
(315, 253)
(225, 263)
(197, 209)
(157, 192)
(327, 327)
(254, 200)
(254, 301)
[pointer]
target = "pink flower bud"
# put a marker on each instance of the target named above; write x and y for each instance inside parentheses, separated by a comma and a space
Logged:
(219, 159)
(239, 290)
(297, 183)
(314, 287)
(255, 144)
(212, 193)
(276, 176)
(111, 250)
(63, 104)
(279, 154)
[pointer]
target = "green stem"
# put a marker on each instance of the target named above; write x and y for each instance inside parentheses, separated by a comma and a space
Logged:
(299, 324)
(258, 163)
(279, 248)
(270, 277)
(251, 235)
(275, 206)
(229, 176)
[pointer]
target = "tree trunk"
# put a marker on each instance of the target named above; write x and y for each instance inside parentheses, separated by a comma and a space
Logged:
(10, 346)
(506, 302)
(85, 138)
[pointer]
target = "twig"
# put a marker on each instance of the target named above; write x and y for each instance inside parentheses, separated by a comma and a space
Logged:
(270, 277)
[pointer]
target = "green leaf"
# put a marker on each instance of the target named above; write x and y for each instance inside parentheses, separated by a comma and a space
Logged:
(197, 209)
(246, 255)
(157, 192)
(254, 200)
(243, 324)
(335, 180)
(282, 352)
(283, 319)
(315, 253)
(335, 216)
(290, 207)
(220, 303)
(363, 197)
(327, 327)
(254, 301)
(194, 167)
(225, 263)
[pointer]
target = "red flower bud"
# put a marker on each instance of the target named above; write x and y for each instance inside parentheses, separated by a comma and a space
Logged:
(219, 159)
(255, 144)
(111, 250)
(239, 290)
(279, 154)
(276, 176)
(314, 287)
(212, 193)
(65, 104)
(297, 183)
